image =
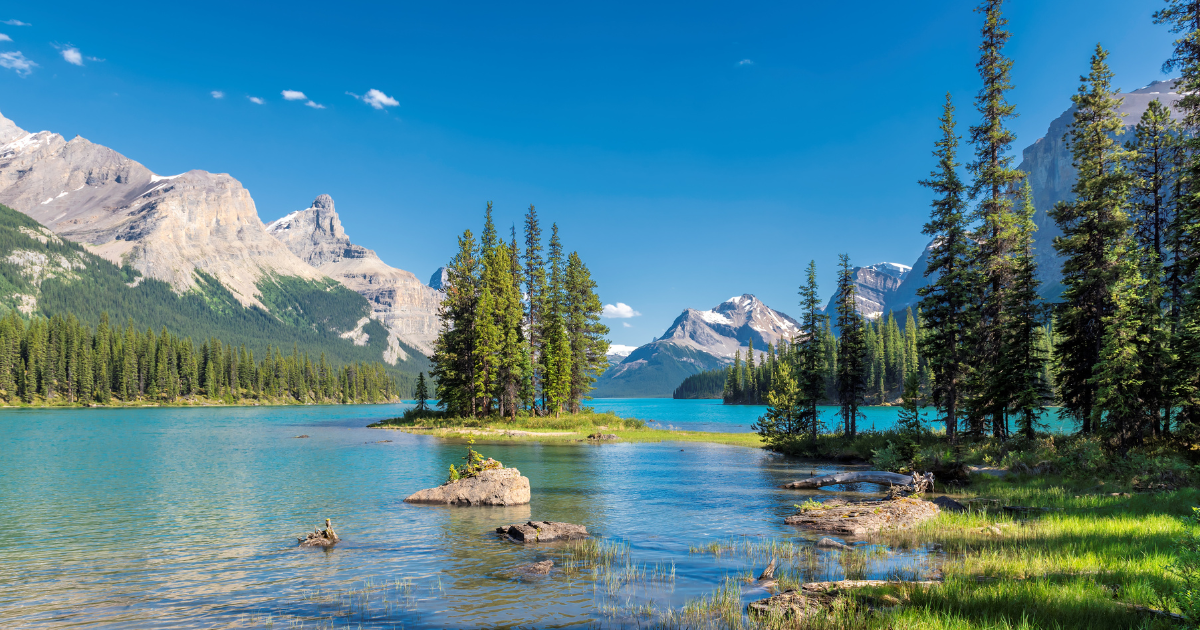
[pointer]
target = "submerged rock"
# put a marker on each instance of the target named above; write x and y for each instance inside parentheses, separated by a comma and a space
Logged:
(499, 486)
(537, 568)
(543, 531)
(793, 605)
(320, 537)
(829, 543)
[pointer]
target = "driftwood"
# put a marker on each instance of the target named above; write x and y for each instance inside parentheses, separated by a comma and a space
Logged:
(918, 483)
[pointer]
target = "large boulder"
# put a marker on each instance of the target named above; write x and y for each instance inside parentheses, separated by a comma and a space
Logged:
(499, 486)
(543, 531)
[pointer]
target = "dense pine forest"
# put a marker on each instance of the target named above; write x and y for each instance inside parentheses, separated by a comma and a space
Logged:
(521, 334)
(61, 360)
(1119, 352)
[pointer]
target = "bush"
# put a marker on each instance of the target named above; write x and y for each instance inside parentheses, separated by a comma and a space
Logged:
(1186, 566)
(890, 458)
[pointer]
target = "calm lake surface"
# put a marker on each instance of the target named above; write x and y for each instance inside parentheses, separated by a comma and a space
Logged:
(187, 518)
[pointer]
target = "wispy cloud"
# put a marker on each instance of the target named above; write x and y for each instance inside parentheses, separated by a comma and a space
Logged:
(619, 311)
(5, 38)
(17, 62)
(293, 95)
(217, 94)
(376, 99)
(627, 324)
(256, 100)
(745, 62)
(16, 23)
(315, 105)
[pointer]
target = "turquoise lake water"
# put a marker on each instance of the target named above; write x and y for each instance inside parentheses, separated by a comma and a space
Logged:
(712, 415)
(187, 518)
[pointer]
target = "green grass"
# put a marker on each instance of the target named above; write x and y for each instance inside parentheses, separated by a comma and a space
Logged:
(1088, 564)
(564, 428)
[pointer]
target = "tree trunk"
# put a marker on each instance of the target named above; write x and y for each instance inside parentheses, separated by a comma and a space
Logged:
(869, 476)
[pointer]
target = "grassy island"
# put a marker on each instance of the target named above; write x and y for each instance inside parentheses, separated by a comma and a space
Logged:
(566, 427)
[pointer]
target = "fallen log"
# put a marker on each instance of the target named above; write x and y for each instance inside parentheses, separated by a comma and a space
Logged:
(869, 476)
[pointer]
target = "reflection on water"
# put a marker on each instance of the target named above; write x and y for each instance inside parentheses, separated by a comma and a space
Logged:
(187, 518)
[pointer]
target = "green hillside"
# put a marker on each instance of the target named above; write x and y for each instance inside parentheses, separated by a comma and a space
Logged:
(43, 274)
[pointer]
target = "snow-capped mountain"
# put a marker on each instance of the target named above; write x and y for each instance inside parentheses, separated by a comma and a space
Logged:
(696, 341)
(875, 285)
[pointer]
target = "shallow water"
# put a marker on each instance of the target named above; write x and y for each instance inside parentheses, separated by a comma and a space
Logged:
(186, 518)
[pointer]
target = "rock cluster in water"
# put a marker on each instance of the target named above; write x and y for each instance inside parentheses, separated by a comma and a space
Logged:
(543, 531)
(499, 486)
(320, 537)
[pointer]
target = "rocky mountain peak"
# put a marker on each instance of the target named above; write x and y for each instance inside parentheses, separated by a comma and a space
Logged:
(9, 131)
(315, 234)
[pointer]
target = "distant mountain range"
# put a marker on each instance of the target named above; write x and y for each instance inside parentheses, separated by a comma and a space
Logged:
(199, 234)
(692, 345)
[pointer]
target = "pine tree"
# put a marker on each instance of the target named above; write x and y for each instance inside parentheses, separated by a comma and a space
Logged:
(422, 393)
(453, 361)
(1183, 16)
(587, 336)
(785, 408)
(851, 360)
(535, 288)
(552, 314)
(1023, 358)
(1118, 373)
(810, 374)
(946, 301)
(1156, 151)
(994, 185)
(1094, 227)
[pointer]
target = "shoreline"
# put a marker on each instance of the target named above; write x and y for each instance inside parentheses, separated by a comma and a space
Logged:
(498, 433)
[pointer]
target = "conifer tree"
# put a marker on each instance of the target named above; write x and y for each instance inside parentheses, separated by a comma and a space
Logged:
(553, 325)
(1095, 226)
(946, 301)
(994, 186)
(422, 393)
(587, 336)
(453, 361)
(535, 288)
(851, 360)
(1023, 360)
(785, 408)
(1183, 17)
(810, 374)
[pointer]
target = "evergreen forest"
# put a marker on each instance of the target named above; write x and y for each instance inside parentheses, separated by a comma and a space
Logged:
(61, 360)
(521, 332)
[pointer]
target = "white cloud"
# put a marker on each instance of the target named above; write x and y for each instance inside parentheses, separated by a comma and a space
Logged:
(376, 99)
(17, 62)
(293, 95)
(16, 23)
(627, 324)
(5, 38)
(256, 100)
(745, 62)
(620, 311)
(72, 55)
(217, 94)
(315, 105)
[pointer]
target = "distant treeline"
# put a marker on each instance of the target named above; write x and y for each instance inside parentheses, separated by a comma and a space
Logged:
(63, 361)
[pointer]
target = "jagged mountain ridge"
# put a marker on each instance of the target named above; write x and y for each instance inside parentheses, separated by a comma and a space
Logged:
(165, 227)
(405, 306)
(198, 232)
(874, 286)
(695, 342)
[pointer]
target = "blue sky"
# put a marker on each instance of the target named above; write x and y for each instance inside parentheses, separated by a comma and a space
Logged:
(689, 151)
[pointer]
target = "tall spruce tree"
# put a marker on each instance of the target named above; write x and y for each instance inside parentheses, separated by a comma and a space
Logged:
(587, 335)
(453, 360)
(1023, 359)
(1183, 17)
(535, 289)
(1095, 225)
(994, 186)
(809, 350)
(851, 360)
(946, 301)
(1157, 151)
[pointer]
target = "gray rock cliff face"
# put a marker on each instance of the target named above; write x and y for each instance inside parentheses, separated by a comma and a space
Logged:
(875, 286)
(405, 306)
(166, 227)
